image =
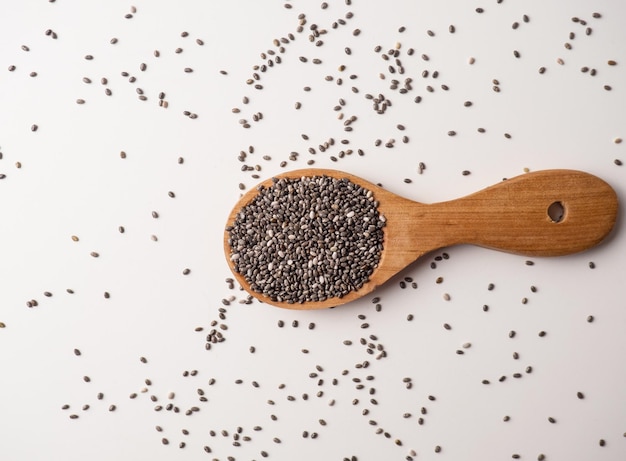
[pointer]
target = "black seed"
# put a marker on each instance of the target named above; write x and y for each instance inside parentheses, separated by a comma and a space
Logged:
(293, 236)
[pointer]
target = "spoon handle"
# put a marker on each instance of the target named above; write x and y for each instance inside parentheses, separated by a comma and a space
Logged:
(545, 213)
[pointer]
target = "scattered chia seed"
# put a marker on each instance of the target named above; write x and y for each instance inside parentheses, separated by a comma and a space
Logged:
(302, 273)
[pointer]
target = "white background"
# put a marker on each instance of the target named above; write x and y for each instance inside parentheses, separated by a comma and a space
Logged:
(72, 181)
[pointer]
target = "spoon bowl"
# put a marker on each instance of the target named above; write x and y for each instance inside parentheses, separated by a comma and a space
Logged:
(544, 213)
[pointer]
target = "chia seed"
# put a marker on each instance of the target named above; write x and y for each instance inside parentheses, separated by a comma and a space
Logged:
(307, 239)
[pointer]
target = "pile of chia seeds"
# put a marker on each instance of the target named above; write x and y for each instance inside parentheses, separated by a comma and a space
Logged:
(307, 239)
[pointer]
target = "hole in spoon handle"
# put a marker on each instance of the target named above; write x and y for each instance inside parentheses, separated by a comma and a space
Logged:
(544, 213)
(556, 212)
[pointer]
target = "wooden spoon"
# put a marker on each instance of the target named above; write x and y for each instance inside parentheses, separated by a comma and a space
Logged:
(545, 213)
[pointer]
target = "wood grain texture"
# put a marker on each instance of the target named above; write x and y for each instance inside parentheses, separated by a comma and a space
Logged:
(510, 216)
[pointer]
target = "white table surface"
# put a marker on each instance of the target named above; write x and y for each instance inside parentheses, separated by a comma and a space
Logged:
(72, 181)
